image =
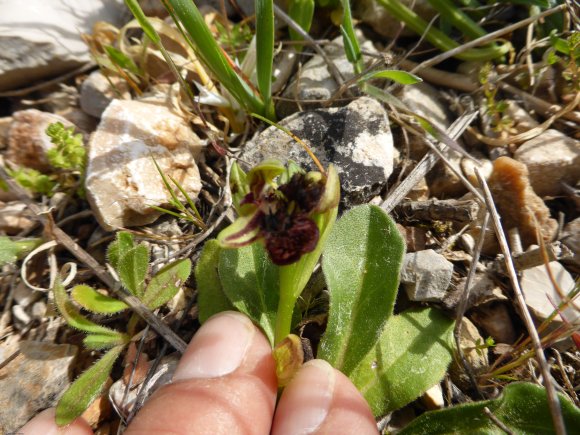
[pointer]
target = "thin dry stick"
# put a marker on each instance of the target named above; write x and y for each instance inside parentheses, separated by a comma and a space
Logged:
(463, 303)
(425, 165)
(84, 257)
(486, 38)
(553, 401)
(496, 421)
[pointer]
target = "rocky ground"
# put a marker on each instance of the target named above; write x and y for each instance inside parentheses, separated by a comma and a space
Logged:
(519, 131)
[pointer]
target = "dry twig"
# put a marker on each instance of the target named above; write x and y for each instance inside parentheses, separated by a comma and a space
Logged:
(553, 401)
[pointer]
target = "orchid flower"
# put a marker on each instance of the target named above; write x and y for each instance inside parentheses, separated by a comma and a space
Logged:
(291, 212)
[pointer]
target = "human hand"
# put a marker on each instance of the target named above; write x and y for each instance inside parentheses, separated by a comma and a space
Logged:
(225, 383)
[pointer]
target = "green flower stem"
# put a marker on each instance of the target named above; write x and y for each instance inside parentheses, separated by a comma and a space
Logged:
(294, 277)
(438, 38)
(285, 311)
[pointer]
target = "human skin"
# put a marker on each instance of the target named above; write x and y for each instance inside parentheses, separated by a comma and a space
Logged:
(225, 383)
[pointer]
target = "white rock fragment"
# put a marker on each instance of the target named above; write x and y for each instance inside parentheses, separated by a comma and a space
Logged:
(122, 181)
(356, 139)
(426, 275)
(551, 157)
(40, 38)
(541, 296)
(433, 398)
(97, 93)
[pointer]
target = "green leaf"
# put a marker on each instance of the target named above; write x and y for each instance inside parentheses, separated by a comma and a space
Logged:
(401, 77)
(265, 48)
(13, 250)
(522, 407)
(351, 45)
(105, 341)
(86, 388)
(211, 298)
(91, 300)
(361, 263)
(166, 283)
(411, 356)
(119, 248)
(33, 180)
(122, 60)
(302, 12)
(197, 33)
(133, 269)
(73, 316)
(250, 282)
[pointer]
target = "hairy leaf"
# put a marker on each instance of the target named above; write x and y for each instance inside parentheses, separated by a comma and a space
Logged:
(522, 407)
(119, 248)
(166, 283)
(361, 263)
(105, 341)
(211, 298)
(73, 316)
(250, 281)
(91, 300)
(411, 356)
(86, 388)
(133, 269)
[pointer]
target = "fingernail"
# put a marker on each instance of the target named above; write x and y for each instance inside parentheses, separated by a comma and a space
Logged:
(218, 348)
(313, 389)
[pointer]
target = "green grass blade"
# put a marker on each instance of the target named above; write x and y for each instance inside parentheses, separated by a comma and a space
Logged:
(211, 54)
(351, 45)
(265, 49)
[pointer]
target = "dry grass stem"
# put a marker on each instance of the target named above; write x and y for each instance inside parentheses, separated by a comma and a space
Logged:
(553, 401)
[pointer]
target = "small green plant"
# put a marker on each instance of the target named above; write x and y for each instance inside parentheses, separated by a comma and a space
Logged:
(69, 151)
(190, 214)
(286, 222)
(131, 262)
(496, 109)
(12, 250)
(67, 157)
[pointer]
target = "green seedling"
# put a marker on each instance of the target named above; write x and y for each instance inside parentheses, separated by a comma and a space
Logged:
(131, 262)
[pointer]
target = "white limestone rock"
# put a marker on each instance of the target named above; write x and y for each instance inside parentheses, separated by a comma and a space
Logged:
(97, 93)
(551, 157)
(541, 296)
(122, 182)
(40, 38)
(356, 139)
